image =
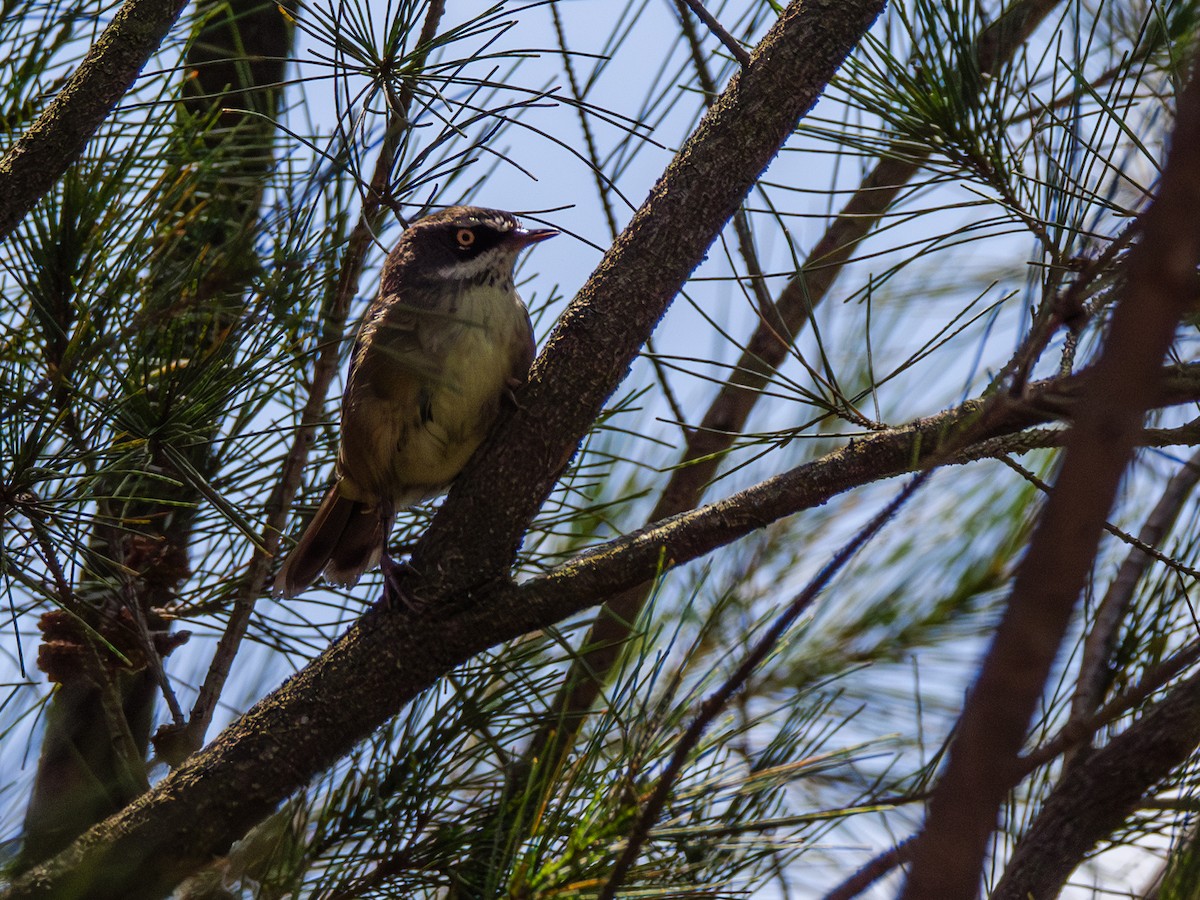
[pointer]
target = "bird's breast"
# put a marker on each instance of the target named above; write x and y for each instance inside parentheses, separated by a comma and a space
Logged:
(422, 400)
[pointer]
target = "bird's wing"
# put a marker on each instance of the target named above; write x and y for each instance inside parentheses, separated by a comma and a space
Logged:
(386, 392)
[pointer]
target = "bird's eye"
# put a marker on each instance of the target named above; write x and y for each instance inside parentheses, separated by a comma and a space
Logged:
(465, 238)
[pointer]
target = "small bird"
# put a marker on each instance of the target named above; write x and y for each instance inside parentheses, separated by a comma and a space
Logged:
(439, 349)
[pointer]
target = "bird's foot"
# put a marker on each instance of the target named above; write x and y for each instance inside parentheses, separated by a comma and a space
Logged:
(394, 594)
(510, 387)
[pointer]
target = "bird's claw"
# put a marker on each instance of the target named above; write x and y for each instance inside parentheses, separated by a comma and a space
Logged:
(394, 595)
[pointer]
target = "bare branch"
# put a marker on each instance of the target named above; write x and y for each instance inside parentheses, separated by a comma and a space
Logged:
(983, 761)
(947, 438)
(1097, 795)
(1092, 681)
(652, 807)
(872, 871)
(1078, 730)
(710, 22)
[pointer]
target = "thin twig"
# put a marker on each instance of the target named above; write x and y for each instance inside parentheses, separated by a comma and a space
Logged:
(589, 139)
(1187, 435)
(767, 313)
(1092, 680)
(731, 43)
(715, 702)
(66, 596)
(872, 871)
(1065, 308)
(1082, 728)
(154, 659)
(1124, 536)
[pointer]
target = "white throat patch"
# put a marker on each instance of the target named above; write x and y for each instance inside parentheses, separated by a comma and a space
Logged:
(465, 270)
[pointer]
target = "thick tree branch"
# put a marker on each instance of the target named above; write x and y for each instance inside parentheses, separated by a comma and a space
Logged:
(983, 762)
(588, 354)
(40, 156)
(1096, 796)
(766, 350)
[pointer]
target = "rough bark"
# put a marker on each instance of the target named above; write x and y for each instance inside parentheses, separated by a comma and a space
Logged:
(588, 355)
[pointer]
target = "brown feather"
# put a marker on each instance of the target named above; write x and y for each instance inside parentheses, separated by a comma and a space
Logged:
(444, 342)
(359, 546)
(323, 538)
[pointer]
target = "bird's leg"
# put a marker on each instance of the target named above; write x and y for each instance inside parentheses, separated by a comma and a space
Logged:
(510, 385)
(394, 594)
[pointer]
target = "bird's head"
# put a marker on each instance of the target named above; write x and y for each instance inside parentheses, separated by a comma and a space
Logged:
(461, 244)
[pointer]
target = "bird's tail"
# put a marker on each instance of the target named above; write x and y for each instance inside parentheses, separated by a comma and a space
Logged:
(344, 539)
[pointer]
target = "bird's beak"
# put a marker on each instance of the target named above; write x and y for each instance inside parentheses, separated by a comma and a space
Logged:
(523, 237)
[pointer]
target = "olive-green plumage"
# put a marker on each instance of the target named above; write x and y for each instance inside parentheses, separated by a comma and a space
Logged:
(438, 350)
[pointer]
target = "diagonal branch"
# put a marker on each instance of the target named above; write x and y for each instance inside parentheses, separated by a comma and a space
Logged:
(1096, 796)
(586, 357)
(1092, 682)
(949, 856)
(873, 870)
(710, 22)
(951, 437)
(39, 158)
(715, 703)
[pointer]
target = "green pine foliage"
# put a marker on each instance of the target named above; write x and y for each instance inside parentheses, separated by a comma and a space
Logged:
(168, 308)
